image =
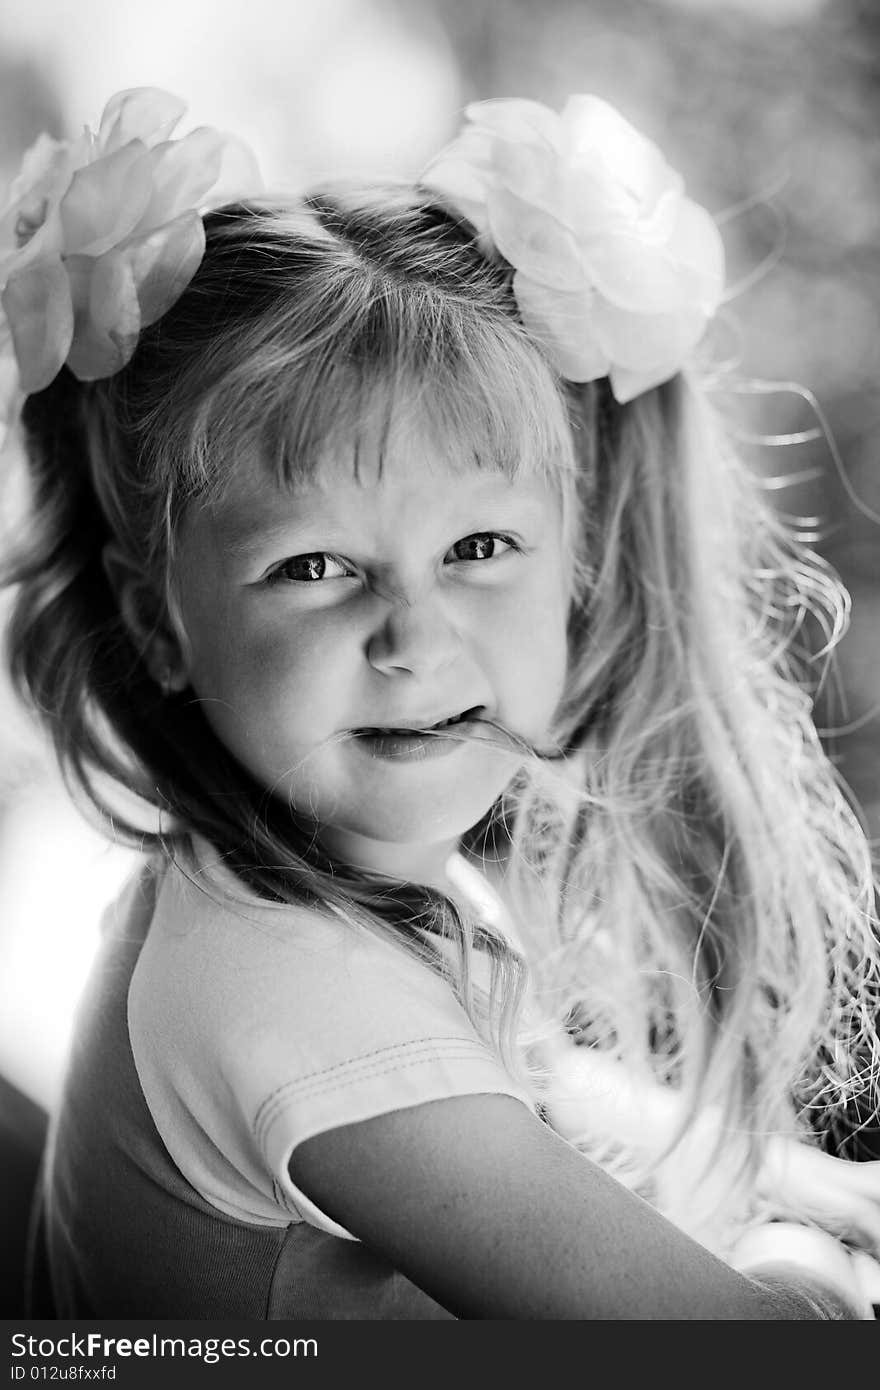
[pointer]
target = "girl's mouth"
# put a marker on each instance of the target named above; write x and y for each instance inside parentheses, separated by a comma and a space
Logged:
(408, 730)
(417, 744)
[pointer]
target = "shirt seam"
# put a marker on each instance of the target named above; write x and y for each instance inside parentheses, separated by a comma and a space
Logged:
(293, 1091)
(441, 1047)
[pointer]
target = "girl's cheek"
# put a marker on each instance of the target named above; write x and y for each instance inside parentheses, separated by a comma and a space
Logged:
(540, 612)
(299, 662)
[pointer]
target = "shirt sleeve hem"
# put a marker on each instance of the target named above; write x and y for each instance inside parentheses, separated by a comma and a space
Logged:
(353, 1096)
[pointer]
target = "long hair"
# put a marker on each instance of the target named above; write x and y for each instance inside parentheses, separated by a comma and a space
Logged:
(704, 907)
(695, 890)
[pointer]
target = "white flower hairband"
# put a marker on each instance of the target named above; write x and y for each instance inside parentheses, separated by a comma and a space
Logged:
(616, 272)
(102, 234)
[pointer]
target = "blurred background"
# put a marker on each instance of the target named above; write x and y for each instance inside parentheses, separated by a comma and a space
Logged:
(769, 108)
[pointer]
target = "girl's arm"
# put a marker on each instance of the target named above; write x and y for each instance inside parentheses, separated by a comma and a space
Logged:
(495, 1216)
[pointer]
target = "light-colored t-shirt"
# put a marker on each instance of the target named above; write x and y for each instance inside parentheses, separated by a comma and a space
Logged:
(256, 1025)
(218, 1031)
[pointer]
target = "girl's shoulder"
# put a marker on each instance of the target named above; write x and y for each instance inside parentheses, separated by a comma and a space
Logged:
(203, 910)
(222, 961)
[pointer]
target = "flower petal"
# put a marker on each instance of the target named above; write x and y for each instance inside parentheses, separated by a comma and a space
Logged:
(138, 113)
(658, 224)
(533, 174)
(38, 308)
(107, 325)
(696, 243)
(472, 148)
(45, 244)
(647, 342)
(562, 323)
(105, 201)
(162, 263)
(181, 172)
(626, 385)
(598, 204)
(593, 129)
(534, 242)
(239, 175)
(206, 168)
(80, 270)
(516, 119)
(636, 275)
(30, 228)
(45, 169)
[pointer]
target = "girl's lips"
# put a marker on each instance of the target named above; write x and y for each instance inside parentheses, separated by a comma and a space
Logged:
(417, 744)
(407, 747)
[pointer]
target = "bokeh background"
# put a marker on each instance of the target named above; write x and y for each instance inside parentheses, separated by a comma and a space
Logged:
(770, 108)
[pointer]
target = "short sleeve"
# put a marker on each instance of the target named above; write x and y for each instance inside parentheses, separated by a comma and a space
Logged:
(255, 1026)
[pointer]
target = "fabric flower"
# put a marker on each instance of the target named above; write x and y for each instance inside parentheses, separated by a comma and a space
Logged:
(616, 272)
(102, 234)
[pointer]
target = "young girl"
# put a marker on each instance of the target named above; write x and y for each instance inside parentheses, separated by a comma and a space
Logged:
(503, 946)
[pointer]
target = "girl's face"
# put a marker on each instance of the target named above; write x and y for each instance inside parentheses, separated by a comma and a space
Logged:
(325, 624)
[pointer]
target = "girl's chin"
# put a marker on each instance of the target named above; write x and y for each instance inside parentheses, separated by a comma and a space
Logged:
(399, 818)
(400, 845)
(397, 859)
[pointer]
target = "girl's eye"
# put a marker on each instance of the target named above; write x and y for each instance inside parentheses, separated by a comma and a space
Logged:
(483, 545)
(308, 569)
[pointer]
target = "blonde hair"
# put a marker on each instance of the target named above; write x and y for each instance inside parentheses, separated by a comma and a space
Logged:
(708, 897)
(696, 888)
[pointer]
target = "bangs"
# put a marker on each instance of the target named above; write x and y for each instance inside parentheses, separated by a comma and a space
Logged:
(409, 359)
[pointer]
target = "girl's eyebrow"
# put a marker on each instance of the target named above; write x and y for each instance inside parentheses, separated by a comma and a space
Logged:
(243, 541)
(243, 532)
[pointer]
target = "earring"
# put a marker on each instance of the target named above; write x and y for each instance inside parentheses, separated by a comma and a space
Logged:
(165, 681)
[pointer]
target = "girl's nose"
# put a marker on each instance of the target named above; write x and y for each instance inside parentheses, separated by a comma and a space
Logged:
(417, 638)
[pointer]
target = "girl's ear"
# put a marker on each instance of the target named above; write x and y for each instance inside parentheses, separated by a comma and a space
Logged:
(145, 615)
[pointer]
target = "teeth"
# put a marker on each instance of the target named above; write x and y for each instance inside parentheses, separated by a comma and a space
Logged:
(381, 733)
(443, 724)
